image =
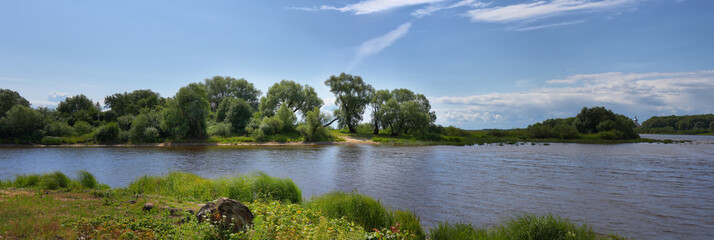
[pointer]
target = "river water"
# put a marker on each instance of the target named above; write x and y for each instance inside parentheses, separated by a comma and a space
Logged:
(644, 191)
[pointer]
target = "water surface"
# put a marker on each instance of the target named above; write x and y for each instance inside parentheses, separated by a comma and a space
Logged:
(645, 191)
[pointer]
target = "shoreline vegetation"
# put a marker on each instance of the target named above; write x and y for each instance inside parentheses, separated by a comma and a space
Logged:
(225, 110)
(163, 207)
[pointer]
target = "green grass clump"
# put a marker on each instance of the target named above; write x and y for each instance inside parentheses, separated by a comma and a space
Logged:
(447, 231)
(356, 207)
(524, 227)
(242, 188)
(55, 181)
(407, 221)
(87, 180)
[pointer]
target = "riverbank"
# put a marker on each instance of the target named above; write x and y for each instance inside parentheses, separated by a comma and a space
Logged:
(53, 206)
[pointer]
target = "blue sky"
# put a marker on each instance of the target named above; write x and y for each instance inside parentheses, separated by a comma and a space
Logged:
(483, 64)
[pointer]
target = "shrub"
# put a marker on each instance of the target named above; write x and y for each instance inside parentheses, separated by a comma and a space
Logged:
(271, 125)
(313, 129)
(222, 129)
(496, 133)
(125, 122)
(108, 133)
(543, 227)
(58, 129)
(49, 140)
(82, 127)
(609, 135)
(356, 207)
(456, 132)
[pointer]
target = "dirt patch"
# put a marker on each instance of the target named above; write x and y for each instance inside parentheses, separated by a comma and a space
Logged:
(351, 140)
(8, 193)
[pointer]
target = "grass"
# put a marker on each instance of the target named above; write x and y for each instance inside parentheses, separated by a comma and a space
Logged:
(76, 210)
(195, 188)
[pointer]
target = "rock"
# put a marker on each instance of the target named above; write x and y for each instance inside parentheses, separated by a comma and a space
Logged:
(148, 206)
(227, 213)
(173, 211)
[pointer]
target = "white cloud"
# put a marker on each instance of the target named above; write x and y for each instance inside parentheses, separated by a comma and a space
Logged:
(55, 96)
(43, 103)
(373, 6)
(376, 45)
(542, 9)
(631, 94)
(428, 10)
(529, 28)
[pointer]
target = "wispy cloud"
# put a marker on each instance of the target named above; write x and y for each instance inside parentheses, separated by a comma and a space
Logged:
(641, 94)
(376, 45)
(309, 9)
(373, 6)
(537, 27)
(542, 9)
(55, 96)
(10, 79)
(428, 10)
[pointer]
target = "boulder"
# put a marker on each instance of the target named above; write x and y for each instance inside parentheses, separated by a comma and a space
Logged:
(148, 206)
(227, 213)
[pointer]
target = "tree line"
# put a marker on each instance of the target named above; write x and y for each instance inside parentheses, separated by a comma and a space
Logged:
(220, 106)
(690, 124)
(597, 120)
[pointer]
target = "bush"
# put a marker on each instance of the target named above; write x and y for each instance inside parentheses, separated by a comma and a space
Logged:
(54, 181)
(222, 129)
(356, 207)
(82, 127)
(108, 133)
(313, 129)
(456, 132)
(610, 135)
(58, 129)
(271, 125)
(125, 122)
(49, 140)
(543, 227)
(496, 133)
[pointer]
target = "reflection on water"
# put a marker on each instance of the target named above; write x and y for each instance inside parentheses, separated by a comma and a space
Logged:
(646, 191)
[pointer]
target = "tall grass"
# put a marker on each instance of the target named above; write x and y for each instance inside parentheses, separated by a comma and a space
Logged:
(524, 227)
(364, 211)
(243, 188)
(55, 181)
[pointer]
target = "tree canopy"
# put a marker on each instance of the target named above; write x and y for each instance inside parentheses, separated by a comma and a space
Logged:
(10, 98)
(403, 111)
(78, 108)
(186, 113)
(220, 87)
(296, 97)
(132, 103)
(352, 96)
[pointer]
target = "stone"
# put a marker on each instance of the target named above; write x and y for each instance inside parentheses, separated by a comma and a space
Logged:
(148, 206)
(226, 213)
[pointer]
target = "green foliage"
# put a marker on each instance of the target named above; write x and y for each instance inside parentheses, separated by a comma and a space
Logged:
(220, 87)
(49, 140)
(53, 181)
(288, 118)
(78, 108)
(23, 124)
(448, 231)
(238, 115)
(456, 132)
(405, 111)
(125, 122)
(10, 98)
(597, 119)
(361, 209)
(222, 129)
(242, 188)
(87, 180)
(222, 110)
(108, 133)
(561, 128)
(313, 129)
(496, 133)
(58, 129)
(352, 96)
(174, 123)
(271, 125)
(271, 188)
(145, 127)
(691, 124)
(133, 103)
(407, 221)
(292, 95)
(82, 127)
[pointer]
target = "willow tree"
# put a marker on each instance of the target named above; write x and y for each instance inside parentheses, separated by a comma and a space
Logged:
(352, 96)
(296, 97)
(219, 87)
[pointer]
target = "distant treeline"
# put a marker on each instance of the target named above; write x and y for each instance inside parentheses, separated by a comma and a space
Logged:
(691, 124)
(217, 107)
(598, 121)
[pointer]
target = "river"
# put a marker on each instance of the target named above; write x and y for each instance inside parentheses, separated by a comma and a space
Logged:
(644, 191)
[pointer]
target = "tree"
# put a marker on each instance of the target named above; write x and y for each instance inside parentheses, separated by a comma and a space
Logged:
(132, 103)
(599, 119)
(238, 115)
(352, 95)
(22, 123)
(588, 119)
(406, 111)
(220, 87)
(291, 94)
(145, 127)
(78, 108)
(186, 113)
(10, 98)
(287, 117)
(379, 98)
(313, 129)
